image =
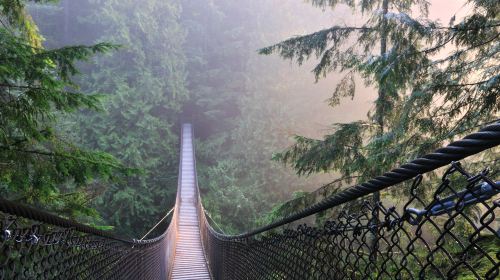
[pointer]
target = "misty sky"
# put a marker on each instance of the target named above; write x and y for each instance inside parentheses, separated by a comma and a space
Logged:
(323, 115)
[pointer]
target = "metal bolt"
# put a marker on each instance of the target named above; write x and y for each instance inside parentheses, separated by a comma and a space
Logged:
(34, 239)
(6, 234)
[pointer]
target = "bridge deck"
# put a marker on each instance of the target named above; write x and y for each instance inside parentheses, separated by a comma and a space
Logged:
(189, 259)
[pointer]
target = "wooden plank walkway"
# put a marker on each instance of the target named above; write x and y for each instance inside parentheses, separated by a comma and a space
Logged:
(189, 259)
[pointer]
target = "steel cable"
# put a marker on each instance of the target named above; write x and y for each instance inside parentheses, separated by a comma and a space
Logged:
(486, 138)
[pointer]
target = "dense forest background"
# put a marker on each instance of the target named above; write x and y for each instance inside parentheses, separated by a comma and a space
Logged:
(193, 61)
(174, 61)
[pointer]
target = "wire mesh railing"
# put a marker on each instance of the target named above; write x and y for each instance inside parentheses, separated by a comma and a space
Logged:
(38, 245)
(449, 230)
(435, 229)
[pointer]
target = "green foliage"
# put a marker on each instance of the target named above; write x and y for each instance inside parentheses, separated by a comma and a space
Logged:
(217, 76)
(226, 200)
(145, 85)
(482, 265)
(39, 165)
(238, 110)
(423, 101)
(15, 15)
(340, 151)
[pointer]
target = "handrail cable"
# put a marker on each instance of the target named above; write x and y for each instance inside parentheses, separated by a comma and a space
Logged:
(39, 215)
(157, 224)
(211, 219)
(486, 138)
(66, 249)
(363, 239)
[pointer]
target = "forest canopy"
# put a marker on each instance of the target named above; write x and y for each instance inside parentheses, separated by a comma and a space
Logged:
(93, 95)
(39, 165)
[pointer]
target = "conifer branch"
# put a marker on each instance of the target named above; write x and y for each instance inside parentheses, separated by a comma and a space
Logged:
(67, 156)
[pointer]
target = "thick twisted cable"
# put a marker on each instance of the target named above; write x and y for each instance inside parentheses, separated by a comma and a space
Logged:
(486, 138)
(24, 211)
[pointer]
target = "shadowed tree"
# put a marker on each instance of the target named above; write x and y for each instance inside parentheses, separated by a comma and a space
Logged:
(425, 95)
(146, 82)
(38, 164)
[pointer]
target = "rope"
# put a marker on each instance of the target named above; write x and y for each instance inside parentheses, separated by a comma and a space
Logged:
(31, 213)
(213, 221)
(471, 144)
(164, 217)
(474, 143)
(24, 211)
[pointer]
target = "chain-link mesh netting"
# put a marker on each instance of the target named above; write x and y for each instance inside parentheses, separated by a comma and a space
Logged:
(443, 230)
(38, 245)
(32, 249)
(454, 234)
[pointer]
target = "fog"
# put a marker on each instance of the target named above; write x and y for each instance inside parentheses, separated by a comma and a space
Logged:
(277, 20)
(198, 61)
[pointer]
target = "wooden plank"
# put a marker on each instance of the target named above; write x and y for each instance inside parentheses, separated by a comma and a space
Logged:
(189, 259)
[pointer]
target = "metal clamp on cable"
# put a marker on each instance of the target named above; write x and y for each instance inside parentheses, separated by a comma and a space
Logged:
(466, 197)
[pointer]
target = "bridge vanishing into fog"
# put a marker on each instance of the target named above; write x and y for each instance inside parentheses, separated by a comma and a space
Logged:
(189, 259)
(448, 231)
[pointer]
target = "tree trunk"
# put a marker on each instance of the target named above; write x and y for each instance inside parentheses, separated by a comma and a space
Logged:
(379, 117)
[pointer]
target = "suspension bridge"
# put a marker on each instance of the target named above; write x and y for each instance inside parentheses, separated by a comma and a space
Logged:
(453, 233)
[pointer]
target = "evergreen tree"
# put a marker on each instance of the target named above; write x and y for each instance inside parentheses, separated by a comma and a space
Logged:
(236, 104)
(216, 81)
(140, 123)
(423, 101)
(38, 164)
